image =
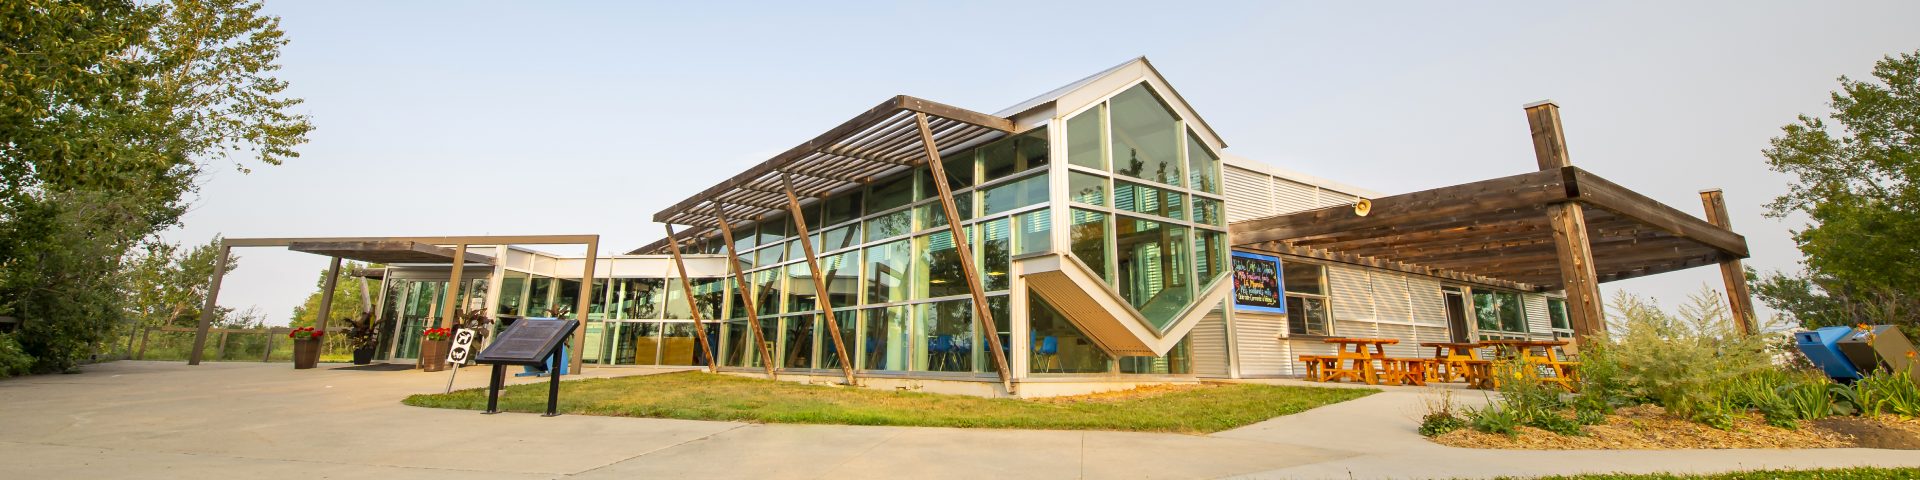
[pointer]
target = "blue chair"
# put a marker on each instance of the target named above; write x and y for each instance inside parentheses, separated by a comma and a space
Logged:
(961, 352)
(938, 350)
(1050, 350)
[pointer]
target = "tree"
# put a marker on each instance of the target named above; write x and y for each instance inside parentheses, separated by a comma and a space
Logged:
(346, 297)
(109, 111)
(165, 286)
(1856, 184)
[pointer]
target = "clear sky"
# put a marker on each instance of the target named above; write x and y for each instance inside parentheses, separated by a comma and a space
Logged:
(454, 118)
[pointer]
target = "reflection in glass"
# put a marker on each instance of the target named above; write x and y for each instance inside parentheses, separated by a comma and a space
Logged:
(1146, 137)
(1008, 196)
(889, 266)
(945, 336)
(1206, 210)
(1085, 138)
(849, 321)
(513, 293)
(1085, 188)
(1088, 240)
(939, 260)
(680, 344)
(1177, 361)
(890, 194)
(1034, 232)
(636, 343)
(539, 296)
(889, 339)
(1203, 165)
(1212, 255)
(890, 225)
(1153, 271)
(798, 339)
(995, 242)
(1149, 200)
(708, 293)
(1013, 155)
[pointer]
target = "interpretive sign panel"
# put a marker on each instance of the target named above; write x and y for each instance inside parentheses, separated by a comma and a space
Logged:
(527, 342)
(1257, 283)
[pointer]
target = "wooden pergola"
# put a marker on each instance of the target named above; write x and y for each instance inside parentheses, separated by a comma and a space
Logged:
(891, 138)
(1560, 228)
(400, 250)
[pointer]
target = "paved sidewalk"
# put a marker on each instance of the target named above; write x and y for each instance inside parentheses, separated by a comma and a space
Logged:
(168, 420)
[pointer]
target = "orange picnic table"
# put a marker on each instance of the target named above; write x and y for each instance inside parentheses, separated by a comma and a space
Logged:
(1542, 355)
(1353, 361)
(1457, 362)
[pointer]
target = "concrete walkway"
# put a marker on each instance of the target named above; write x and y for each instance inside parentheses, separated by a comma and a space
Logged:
(168, 420)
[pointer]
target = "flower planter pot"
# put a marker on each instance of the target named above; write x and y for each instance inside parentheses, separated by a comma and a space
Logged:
(363, 355)
(306, 353)
(433, 354)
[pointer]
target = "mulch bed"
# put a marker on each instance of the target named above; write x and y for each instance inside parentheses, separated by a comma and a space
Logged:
(1649, 427)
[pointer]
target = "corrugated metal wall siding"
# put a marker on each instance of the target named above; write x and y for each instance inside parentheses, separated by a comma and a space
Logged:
(1262, 352)
(1539, 320)
(1248, 194)
(1209, 342)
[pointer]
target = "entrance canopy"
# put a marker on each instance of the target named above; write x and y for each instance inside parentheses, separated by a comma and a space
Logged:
(1500, 229)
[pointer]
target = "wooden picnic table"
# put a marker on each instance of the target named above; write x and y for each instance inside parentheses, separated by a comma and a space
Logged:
(1451, 360)
(1353, 361)
(1549, 365)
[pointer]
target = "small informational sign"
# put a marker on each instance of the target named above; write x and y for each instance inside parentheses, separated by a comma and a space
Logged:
(462, 347)
(1257, 283)
(528, 342)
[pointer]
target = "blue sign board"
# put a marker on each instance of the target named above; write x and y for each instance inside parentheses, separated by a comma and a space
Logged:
(1257, 283)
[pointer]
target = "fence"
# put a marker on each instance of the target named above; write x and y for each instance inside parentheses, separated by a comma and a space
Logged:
(234, 344)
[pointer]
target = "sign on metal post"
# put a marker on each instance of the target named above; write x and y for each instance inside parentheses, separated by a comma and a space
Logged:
(458, 354)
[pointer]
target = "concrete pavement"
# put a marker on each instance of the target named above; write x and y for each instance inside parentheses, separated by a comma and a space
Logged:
(168, 420)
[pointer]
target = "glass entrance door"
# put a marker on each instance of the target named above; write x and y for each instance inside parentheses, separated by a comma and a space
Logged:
(415, 306)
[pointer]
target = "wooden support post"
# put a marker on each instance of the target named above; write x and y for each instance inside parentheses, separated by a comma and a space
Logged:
(693, 308)
(326, 295)
(206, 313)
(962, 246)
(1739, 299)
(580, 309)
(220, 348)
(746, 290)
(268, 357)
(820, 290)
(1569, 222)
(451, 308)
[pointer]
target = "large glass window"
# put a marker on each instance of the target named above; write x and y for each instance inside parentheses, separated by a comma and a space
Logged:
(1306, 298)
(1146, 137)
(1211, 258)
(1019, 193)
(1088, 240)
(1557, 311)
(513, 294)
(1207, 211)
(890, 225)
(708, 293)
(994, 249)
(1149, 200)
(936, 257)
(1033, 232)
(1088, 189)
(889, 338)
(946, 336)
(890, 194)
(1178, 361)
(798, 340)
(959, 174)
(1059, 347)
(841, 208)
(636, 343)
(1202, 165)
(680, 343)
(1499, 311)
(1153, 274)
(1085, 137)
(539, 297)
(889, 269)
(636, 298)
(1014, 155)
(741, 349)
(849, 321)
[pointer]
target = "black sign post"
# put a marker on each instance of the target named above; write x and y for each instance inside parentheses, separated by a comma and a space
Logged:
(530, 341)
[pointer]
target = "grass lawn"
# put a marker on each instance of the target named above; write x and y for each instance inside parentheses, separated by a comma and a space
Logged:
(1863, 473)
(706, 396)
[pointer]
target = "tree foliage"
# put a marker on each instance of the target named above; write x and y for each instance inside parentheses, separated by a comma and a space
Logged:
(109, 112)
(347, 302)
(1855, 182)
(167, 286)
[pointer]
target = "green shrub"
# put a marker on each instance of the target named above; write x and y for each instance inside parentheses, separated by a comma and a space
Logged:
(1807, 399)
(1692, 364)
(1892, 393)
(1438, 423)
(1494, 419)
(13, 359)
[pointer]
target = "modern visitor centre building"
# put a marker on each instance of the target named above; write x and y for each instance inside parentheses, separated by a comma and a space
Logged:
(1106, 238)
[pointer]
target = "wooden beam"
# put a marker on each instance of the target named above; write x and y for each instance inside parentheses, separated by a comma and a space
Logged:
(326, 295)
(207, 311)
(746, 291)
(1463, 204)
(1549, 143)
(1569, 222)
(693, 307)
(581, 305)
(1621, 201)
(962, 246)
(1739, 300)
(820, 287)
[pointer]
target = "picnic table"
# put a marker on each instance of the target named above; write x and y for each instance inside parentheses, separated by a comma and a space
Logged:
(1542, 355)
(1354, 362)
(1452, 361)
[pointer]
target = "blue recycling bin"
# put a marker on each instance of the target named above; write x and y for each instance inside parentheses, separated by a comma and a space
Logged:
(1819, 347)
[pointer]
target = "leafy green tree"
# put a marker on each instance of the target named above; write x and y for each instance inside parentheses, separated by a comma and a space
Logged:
(166, 286)
(1855, 182)
(347, 300)
(109, 111)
